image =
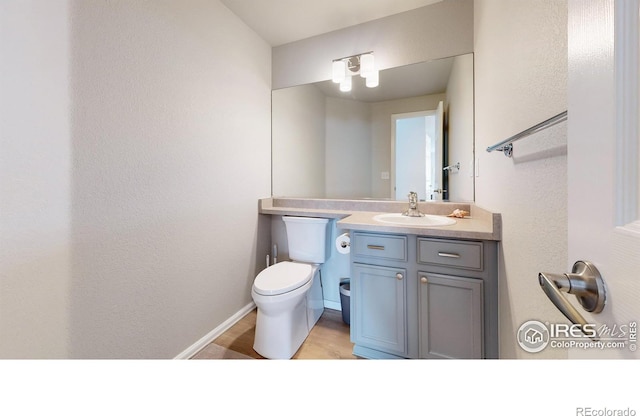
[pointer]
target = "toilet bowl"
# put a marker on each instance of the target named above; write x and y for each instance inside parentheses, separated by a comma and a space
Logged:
(288, 295)
(286, 310)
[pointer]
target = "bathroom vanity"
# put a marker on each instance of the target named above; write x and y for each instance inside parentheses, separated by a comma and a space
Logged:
(414, 296)
(416, 291)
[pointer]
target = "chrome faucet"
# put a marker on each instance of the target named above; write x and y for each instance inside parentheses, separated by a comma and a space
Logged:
(413, 210)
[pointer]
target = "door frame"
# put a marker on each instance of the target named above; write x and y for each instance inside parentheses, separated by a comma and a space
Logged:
(394, 119)
(627, 89)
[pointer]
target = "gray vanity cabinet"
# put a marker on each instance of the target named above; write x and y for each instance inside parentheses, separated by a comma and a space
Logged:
(451, 305)
(379, 295)
(380, 299)
(423, 297)
(451, 316)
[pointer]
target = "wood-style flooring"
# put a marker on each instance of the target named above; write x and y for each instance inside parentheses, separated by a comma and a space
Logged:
(328, 339)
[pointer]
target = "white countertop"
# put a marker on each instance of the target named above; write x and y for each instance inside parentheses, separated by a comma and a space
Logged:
(357, 215)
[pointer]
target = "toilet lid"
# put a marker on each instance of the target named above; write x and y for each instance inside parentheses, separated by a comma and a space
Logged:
(282, 277)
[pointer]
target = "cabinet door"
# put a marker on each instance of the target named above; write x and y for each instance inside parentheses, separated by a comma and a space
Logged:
(378, 317)
(451, 317)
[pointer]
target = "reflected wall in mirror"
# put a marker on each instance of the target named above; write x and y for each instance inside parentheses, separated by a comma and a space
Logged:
(330, 144)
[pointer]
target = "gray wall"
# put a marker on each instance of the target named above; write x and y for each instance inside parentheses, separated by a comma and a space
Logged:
(459, 106)
(130, 175)
(298, 156)
(348, 149)
(435, 31)
(521, 80)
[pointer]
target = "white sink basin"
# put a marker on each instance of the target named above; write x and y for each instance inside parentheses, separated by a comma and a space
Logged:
(426, 221)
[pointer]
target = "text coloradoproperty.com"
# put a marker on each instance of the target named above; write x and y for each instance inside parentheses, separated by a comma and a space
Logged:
(600, 345)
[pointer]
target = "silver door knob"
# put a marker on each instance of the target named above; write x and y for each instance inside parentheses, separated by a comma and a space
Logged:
(399, 276)
(585, 282)
(423, 279)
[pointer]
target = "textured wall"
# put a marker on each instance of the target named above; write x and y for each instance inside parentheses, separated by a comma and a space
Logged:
(436, 31)
(137, 147)
(521, 79)
(171, 148)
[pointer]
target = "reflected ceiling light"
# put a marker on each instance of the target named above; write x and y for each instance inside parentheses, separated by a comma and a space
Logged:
(345, 85)
(373, 79)
(344, 68)
(366, 65)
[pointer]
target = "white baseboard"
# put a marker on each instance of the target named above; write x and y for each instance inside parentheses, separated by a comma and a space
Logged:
(332, 305)
(215, 333)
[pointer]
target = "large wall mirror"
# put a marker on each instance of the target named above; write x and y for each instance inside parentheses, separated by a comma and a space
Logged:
(414, 132)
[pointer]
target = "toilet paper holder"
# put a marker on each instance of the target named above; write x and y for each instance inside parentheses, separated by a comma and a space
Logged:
(343, 240)
(343, 243)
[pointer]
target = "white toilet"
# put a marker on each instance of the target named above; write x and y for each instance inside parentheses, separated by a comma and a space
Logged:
(289, 294)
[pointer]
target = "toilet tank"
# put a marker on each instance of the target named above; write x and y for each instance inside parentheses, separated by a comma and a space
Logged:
(307, 239)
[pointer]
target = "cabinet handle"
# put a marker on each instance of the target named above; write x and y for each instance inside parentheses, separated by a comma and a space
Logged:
(423, 279)
(450, 255)
(374, 247)
(399, 276)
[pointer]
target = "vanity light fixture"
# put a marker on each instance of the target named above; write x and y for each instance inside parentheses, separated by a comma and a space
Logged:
(343, 70)
(339, 71)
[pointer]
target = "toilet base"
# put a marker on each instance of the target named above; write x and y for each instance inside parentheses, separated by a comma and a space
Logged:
(279, 337)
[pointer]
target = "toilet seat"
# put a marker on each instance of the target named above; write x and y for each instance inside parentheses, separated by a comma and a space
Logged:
(282, 278)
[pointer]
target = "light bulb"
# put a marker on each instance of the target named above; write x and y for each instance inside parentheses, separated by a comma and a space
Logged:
(372, 80)
(366, 65)
(339, 69)
(345, 85)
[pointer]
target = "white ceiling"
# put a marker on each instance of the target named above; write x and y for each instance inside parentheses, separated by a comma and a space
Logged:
(285, 21)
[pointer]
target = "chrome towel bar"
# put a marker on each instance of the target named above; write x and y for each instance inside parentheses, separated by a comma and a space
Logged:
(507, 148)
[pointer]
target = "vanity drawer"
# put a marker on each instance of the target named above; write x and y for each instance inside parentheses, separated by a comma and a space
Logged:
(386, 247)
(458, 254)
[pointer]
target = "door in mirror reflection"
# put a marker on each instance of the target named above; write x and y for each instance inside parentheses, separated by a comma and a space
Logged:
(417, 144)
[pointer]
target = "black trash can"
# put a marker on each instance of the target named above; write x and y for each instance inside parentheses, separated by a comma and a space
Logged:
(345, 300)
